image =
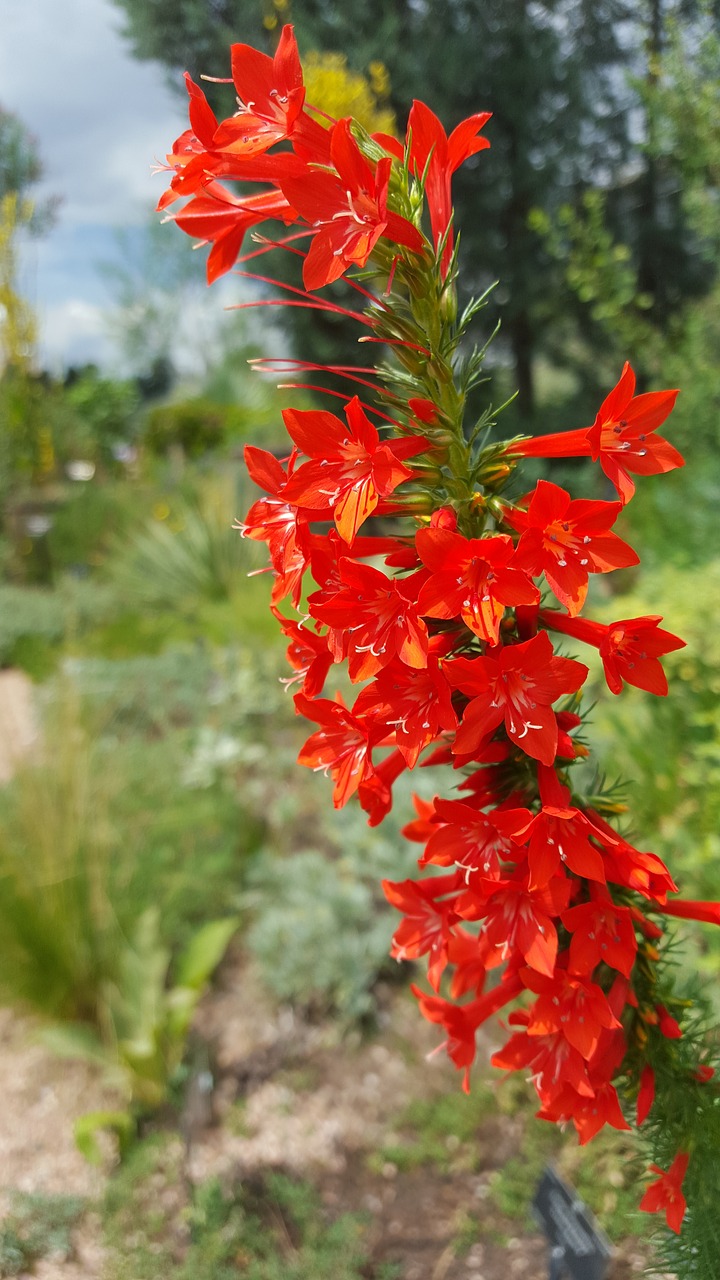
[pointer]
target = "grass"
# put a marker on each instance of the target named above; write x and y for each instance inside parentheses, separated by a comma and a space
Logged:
(269, 1227)
(37, 1226)
(441, 1131)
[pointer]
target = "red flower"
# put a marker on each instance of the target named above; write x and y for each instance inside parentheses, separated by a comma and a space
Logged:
(307, 654)
(351, 468)
(589, 1115)
(421, 827)
(517, 687)
(621, 437)
(470, 579)
(552, 1060)
(463, 836)
(602, 932)
(567, 540)
(642, 872)
(414, 704)
(683, 909)
(462, 1021)
(629, 648)
(223, 219)
(270, 95)
(572, 1005)
(377, 618)
(428, 912)
(282, 527)
(665, 1195)
(341, 747)
(519, 919)
(434, 157)
(559, 834)
(349, 210)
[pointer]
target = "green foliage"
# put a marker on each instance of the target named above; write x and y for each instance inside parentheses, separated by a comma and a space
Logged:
(193, 554)
(270, 1228)
(101, 413)
(144, 1020)
(668, 749)
(37, 1226)
(442, 1131)
(321, 928)
(196, 426)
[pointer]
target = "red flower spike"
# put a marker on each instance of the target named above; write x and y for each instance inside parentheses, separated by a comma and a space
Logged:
(351, 468)
(665, 1195)
(470, 579)
(646, 1094)
(567, 540)
(629, 648)
(517, 687)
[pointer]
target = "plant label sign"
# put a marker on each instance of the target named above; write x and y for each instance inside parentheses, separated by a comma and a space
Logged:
(580, 1250)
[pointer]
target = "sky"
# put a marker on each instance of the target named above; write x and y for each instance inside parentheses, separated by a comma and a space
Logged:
(100, 119)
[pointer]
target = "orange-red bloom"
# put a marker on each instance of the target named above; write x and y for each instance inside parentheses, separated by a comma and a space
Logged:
(350, 470)
(348, 210)
(518, 687)
(622, 437)
(665, 1195)
(629, 648)
(567, 540)
(470, 578)
(434, 156)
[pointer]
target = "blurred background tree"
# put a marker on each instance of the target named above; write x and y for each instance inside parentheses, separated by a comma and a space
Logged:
(570, 83)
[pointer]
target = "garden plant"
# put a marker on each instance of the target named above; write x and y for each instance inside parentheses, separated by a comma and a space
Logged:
(459, 613)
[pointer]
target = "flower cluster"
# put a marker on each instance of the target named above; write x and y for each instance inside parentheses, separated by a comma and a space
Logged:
(452, 612)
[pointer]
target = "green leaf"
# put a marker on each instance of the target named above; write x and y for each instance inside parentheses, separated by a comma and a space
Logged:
(204, 953)
(87, 1127)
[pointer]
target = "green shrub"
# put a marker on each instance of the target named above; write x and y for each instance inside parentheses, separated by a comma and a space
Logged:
(193, 555)
(321, 929)
(197, 426)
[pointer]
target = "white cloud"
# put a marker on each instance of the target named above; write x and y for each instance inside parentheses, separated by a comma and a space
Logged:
(74, 332)
(101, 120)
